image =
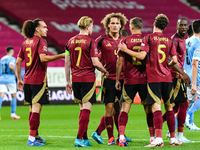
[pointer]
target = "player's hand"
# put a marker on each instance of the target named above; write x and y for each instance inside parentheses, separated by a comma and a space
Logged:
(69, 88)
(193, 89)
(105, 75)
(186, 79)
(122, 47)
(20, 85)
(118, 85)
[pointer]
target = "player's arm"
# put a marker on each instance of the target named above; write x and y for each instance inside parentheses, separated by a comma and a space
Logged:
(47, 58)
(67, 73)
(20, 83)
(194, 75)
(97, 64)
(140, 55)
(118, 72)
(175, 67)
(11, 66)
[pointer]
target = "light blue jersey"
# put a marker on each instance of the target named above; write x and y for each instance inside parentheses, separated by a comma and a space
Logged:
(192, 44)
(196, 56)
(7, 76)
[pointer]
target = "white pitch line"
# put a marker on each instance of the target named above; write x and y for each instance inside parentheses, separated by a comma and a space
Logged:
(73, 137)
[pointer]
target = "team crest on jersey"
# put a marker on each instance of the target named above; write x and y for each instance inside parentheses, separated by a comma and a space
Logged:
(45, 48)
(108, 44)
(96, 51)
(142, 44)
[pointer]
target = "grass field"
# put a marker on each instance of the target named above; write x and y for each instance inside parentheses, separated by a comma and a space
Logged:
(59, 124)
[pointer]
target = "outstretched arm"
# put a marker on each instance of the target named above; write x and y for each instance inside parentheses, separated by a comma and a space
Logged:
(140, 55)
(48, 58)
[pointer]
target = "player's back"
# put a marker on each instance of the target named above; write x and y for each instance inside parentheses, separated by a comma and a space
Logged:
(34, 69)
(81, 49)
(191, 45)
(160, 47)
(134, 69)
(7, 75)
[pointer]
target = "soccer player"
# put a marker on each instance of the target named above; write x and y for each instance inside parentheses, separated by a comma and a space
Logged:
(134, 79)
(8, 81)
(192, 46)
(180, 98)
(34, 52)
(157, 47)
(107, 45)
(82, 56)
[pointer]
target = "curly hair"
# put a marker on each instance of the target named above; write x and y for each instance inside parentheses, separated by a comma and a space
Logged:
(84, 22)
(161, 21)
(28, 28)
(107, 18)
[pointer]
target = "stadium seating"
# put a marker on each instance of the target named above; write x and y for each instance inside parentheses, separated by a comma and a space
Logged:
(9, 37)
(61, 16)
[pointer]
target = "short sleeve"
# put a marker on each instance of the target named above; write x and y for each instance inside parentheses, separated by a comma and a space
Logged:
(93, 49)
(196, 55)
(145, 44)
(21, 53)
(42, 47)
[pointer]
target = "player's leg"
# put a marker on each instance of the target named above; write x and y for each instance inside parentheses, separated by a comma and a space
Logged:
(154, 99)
(3, 90)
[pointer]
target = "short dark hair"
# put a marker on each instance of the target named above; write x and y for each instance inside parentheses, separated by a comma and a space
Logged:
(190, 32)
(161, 21)
(136, 22)
(181, 19)
(196, 26)
(9, 48)
(28, 28)
(125, 32)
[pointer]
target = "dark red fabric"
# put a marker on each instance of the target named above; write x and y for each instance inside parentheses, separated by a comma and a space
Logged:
(181, 115)
(150, 124)
(83, 123)
(109, 126)
(123, 119)
(101, 126)
(34, 123)
(157, 119)
(171, 123)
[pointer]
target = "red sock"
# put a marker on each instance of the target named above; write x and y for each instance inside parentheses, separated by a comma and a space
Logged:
(171, 123)
(83, 122)
(85, 133)
(150, 124)
(29, 117)
(109, 126)
(158, 122)
(181, 115)
(34, 124)
(101, 126)
(123, 119)
(116, 117)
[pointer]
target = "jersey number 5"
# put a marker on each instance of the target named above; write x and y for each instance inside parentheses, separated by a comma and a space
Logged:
(161, 52)
(29, 56)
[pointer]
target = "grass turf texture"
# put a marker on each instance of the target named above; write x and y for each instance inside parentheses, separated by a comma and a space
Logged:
(59, 126)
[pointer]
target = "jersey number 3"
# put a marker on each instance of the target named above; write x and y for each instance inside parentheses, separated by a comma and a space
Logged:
(29, 56)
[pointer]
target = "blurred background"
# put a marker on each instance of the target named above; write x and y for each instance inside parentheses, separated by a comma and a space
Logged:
(61, 17)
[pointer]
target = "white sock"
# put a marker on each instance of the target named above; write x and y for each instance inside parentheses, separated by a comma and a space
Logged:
(12, 114)
(31, 138)
(121, 137)
(172, 139)
(159, 139)
(179, 134)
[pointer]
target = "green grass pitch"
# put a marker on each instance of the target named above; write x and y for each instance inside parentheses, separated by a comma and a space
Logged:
(59, 126)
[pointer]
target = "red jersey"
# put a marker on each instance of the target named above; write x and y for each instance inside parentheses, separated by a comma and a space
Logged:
(81, 49)
(158, 48)
(30, 50)
(108, 48)
(134, 69)
(180, 49)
